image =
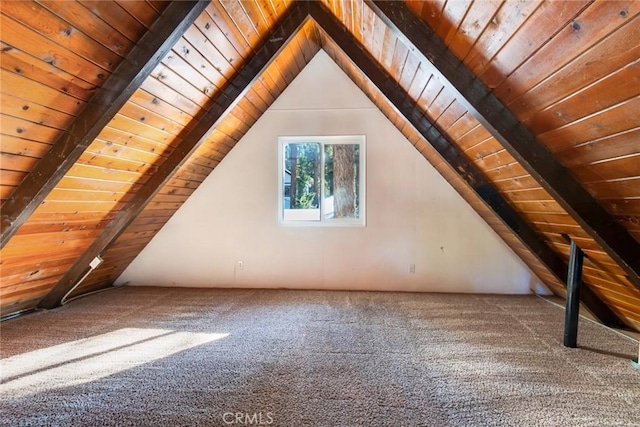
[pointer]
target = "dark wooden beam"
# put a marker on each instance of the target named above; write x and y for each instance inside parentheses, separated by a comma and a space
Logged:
(102, 107)
(408, 108)
(574, 282)
(516, 138)
(228, 97)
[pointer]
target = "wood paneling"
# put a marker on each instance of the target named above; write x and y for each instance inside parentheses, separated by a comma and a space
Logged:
(136, 140)
(67, 146)
(201, 163)
(518, 140)
(590, 127)
(432, 156)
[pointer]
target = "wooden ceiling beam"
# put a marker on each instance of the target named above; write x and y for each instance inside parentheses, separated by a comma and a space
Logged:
(224, 102)
(516, 138)
(102, 107)
(409, 109)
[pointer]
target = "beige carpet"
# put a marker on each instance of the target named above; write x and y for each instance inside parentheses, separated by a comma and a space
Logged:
(186, 357)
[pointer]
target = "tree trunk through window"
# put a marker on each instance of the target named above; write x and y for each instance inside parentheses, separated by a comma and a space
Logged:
(317, 177)
(293, 192)
(344, 182)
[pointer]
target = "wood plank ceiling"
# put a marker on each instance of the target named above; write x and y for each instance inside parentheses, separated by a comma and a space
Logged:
(567, 70)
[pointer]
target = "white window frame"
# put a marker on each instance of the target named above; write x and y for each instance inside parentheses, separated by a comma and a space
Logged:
(324, 140)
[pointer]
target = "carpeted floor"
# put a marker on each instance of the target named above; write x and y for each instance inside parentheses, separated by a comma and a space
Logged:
(188, 357)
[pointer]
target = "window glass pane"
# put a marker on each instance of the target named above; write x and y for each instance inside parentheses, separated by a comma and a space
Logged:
(320, 180)
(341, 186)
(301, 181)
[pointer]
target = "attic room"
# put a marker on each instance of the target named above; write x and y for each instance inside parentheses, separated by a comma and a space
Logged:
(320, 213)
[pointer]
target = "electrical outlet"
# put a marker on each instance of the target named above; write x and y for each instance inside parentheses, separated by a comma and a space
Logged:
(239, 265)
(95, 263)
(412, 269)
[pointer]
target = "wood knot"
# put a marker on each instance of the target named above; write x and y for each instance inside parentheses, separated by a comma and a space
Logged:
(575, 25)
(49, 60)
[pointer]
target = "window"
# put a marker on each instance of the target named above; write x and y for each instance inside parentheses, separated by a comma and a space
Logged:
(321, 180)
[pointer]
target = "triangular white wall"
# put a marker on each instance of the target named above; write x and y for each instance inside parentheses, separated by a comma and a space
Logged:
(413, 215)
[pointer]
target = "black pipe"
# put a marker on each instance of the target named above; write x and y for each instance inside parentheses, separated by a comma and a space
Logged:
(18, 313)
(574, 280)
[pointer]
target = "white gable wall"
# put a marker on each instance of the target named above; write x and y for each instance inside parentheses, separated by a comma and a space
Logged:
(413, 215)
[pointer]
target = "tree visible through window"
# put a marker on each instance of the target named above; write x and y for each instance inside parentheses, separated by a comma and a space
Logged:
(321, 179)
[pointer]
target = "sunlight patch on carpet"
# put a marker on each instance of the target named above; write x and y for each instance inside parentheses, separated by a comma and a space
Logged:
(90, 359)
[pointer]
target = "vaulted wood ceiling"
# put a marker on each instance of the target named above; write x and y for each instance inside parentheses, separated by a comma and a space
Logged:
(114, 112)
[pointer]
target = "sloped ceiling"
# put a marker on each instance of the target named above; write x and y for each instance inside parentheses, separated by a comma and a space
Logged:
(568, 71)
